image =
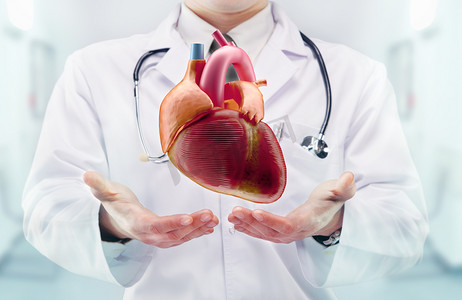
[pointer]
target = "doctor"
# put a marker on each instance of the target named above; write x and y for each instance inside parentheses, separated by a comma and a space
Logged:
(91, 206)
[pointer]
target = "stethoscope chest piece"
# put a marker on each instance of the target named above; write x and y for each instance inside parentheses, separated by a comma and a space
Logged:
(316, 146)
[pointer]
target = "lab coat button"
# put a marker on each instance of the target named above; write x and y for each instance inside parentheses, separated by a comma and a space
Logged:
(231, 230)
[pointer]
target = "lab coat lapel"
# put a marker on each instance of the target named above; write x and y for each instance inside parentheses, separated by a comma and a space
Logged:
(275, 62)
(173, 64)
(274, 66)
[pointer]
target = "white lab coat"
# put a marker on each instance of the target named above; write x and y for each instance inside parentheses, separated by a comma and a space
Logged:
(90, 125)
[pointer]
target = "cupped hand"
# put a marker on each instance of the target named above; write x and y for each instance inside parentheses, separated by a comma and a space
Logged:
(321, 214)
(122, 216)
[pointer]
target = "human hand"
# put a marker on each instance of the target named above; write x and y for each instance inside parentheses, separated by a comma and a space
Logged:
(123, 216)
(321, 214)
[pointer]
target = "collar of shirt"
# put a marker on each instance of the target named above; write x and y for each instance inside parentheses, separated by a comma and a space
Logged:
(250, 35)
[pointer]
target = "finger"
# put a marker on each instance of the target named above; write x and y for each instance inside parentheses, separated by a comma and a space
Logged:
(181, 225)
(277, 223)
(240, 216)
(99, 186)
(345, 181)
(255, 223)
(244, 217)
(198, 232)
(345, 187)
(165, 224)
(200, 219)
(251, 233)
(172, 242)
(257, 235)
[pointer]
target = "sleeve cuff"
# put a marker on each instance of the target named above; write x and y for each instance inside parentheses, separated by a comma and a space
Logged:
(315, 260)
(129, 261)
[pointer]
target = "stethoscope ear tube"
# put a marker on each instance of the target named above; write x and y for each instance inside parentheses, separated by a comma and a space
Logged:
(136, 71)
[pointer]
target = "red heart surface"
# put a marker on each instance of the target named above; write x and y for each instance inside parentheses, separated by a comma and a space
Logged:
(225, 153)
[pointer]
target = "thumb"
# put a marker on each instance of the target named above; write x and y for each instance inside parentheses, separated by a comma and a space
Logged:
(345, 187)
(99, 186)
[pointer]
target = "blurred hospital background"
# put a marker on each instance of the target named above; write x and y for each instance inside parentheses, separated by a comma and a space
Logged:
(420, 42)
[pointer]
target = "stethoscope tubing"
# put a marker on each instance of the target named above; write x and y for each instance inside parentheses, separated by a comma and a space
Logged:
(147, 157)
(325, 78)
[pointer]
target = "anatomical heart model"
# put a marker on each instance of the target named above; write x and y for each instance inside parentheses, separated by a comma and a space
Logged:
(213, 132)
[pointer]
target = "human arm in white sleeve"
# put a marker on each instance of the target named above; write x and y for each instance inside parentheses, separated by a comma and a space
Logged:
(385, 224)
(62, 216)
(60, 213)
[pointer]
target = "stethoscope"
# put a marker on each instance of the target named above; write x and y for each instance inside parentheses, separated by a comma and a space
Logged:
(315, 145)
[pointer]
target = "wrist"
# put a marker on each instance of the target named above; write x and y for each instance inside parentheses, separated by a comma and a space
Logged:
(330, 234)
(335, 223)
(109, 231)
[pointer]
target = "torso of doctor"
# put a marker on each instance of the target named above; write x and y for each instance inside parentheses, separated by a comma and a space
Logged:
(90, 125)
